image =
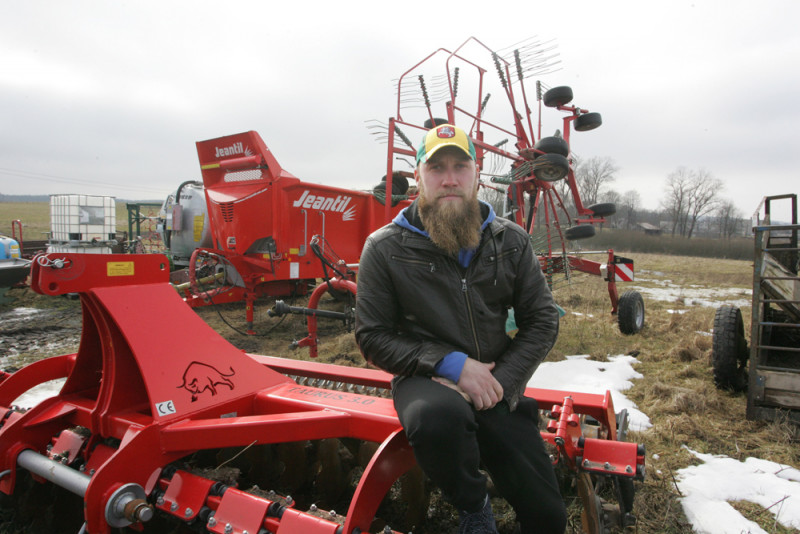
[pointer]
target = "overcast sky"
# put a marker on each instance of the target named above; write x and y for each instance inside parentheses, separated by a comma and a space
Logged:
(108, 98)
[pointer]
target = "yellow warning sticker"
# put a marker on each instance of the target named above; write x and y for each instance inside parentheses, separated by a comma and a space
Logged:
(119, 268)
(197, 227)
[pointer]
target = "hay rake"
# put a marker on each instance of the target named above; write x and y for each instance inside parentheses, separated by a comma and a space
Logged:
(535, 172)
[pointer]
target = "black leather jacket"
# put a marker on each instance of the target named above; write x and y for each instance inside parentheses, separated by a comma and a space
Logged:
(415, 304)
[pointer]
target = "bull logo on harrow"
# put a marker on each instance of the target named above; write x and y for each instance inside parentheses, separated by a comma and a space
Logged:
(200, 377)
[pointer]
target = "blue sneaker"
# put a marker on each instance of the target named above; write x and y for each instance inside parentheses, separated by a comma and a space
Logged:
(481, 522)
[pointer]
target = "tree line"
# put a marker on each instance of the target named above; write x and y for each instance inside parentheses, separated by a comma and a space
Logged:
(692, 203)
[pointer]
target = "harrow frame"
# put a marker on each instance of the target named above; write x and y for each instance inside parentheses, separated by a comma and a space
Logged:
(136, 400)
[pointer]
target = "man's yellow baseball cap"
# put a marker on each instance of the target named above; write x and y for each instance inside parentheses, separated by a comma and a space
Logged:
(442, 136)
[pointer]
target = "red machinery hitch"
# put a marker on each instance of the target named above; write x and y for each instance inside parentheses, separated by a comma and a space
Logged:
(137, 401)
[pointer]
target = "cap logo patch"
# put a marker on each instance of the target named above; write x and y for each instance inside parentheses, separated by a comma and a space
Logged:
(445, 132)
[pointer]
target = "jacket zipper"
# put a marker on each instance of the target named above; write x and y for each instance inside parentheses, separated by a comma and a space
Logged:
(430, 265)
(465, 290)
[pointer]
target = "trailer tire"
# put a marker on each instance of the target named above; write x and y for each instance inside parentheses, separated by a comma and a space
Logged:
(557, 96)
(630, 312)
(729, 352)
(550, 167)
(582, 231)
(588, 121)
(552, 145)
(604, 209)
(399, 188)
(428, 124)
(399, 183)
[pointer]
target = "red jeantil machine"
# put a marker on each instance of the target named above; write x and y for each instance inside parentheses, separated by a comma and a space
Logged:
(135, 404)
(262, 220)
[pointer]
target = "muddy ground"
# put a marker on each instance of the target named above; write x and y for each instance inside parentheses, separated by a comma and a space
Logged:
(33, 326)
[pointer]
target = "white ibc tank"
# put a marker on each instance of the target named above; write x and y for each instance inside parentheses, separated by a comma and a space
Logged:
(82, 223)
(184, 225)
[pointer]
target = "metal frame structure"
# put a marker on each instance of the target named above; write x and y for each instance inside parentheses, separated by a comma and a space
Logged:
(774, 369)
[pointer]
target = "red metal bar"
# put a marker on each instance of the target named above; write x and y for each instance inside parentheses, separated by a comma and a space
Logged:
(337, 284)
(337, 373)
(17, 224)
(612, 282)
(393, 458)
(387, 201)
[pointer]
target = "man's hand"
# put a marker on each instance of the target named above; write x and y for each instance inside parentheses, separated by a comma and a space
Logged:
(479, 384)
(452, 385)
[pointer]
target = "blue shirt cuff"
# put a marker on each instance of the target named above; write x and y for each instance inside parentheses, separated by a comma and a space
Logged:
(451, 365)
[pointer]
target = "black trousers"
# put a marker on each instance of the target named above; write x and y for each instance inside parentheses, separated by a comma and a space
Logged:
(451, 441)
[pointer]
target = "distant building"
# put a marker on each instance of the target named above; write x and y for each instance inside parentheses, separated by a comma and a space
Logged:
(649, 229)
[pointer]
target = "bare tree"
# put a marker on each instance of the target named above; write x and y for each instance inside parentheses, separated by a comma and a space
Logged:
(703, 197)
(627, 208)
(593, 175)
(611, 196)
(690, 195)
(676, 201)
(729, 219)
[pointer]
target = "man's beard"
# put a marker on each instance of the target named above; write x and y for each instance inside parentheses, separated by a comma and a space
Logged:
(452, 226)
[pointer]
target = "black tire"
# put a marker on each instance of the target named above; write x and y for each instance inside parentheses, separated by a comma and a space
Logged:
(552, 145)
(550, 167)
(588, 121)
(399, 183)
(582, 231)
(604, 209)
(435, 122)
(630, 312)
(557, 96)
(729, 352)
(379, 192)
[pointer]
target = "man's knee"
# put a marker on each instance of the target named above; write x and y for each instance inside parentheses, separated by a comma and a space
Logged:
(438, 421)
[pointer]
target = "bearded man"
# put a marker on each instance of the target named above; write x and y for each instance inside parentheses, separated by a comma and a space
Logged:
(434, 289)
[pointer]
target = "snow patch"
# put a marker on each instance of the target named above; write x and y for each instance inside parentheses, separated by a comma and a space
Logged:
(580, 374)
(709, 488)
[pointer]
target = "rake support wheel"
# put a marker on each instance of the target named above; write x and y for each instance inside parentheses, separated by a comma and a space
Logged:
(552, 145)
(557, 96)
(630, 312)
(603, 209)
(582, 231)
(588, 121)
(551, 167)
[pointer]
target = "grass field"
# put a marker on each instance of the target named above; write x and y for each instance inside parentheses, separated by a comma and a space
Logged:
(35, 218)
